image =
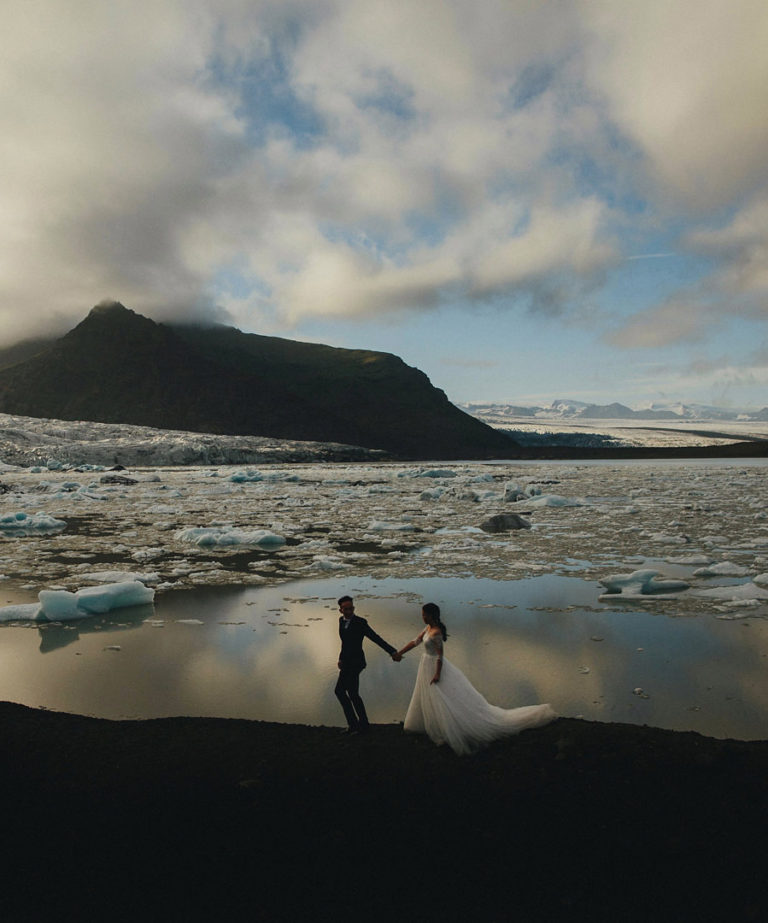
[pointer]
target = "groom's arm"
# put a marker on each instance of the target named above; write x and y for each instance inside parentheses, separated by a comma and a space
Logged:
(371, 634)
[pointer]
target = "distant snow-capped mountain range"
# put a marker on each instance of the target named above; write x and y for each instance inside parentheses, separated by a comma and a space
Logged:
(567, 409)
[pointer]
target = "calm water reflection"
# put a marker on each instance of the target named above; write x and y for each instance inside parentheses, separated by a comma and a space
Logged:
(270, 653)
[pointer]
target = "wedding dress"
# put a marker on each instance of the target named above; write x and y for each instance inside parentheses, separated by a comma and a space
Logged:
(452, 711)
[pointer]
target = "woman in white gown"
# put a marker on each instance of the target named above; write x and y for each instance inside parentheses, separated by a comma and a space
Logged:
(448, 708)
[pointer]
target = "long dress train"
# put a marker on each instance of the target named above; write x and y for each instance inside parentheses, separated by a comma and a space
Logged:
(452, 711)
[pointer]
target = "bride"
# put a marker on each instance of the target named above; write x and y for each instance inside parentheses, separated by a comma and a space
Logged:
(447, 707)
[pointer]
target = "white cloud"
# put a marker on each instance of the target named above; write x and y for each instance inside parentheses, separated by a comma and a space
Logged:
(340, 158)
(686, 81)
(109, 156)
(740, 248)
(675, 321)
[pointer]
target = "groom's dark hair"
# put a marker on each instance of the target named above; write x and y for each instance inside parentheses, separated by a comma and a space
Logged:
(345, 599)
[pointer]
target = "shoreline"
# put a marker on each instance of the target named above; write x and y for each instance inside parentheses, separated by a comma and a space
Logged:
(184, 818)
(755, 448)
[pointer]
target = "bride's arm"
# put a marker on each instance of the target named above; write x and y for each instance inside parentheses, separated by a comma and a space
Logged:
(411, 644)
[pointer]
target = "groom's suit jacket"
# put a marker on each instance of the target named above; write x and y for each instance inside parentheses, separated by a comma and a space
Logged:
(352, 642)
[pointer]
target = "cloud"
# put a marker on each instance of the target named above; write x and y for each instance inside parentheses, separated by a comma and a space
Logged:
(298, 159)
(109, 157)
(740, 249)
(721, 379)
(676, 321)
(341, 158)
(685, 82)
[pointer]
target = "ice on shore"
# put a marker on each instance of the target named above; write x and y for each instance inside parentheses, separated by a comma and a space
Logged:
(63, 606)
(221, 536)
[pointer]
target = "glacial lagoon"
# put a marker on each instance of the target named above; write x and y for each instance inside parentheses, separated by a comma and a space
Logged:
(269, 653)
(245, 628)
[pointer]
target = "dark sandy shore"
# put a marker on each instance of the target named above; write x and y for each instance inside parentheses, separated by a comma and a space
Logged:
(214, 819)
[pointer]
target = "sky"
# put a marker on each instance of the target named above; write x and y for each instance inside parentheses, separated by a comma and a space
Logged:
(527, 199)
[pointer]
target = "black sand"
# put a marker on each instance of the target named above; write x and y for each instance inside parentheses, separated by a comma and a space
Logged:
(215, 819)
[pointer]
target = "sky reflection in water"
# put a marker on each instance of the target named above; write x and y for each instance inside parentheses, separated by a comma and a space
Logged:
(270, 654)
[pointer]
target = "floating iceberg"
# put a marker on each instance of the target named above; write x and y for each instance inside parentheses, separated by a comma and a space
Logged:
(427, 473)
(379, 525)
(325, 563)
(26, 612)
(639, 584)
(242, 477)
(221, 535)
(513, 493)
(63, 606)
(29, 524)
(553, 500)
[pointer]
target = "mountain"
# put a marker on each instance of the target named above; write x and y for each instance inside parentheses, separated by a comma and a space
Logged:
(617, 411)
(19, 352)
(119, 367)
(572, 410)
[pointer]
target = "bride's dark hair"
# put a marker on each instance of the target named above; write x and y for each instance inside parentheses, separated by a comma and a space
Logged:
(433, 611)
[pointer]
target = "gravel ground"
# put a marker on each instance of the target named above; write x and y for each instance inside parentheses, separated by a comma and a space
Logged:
(188, 818)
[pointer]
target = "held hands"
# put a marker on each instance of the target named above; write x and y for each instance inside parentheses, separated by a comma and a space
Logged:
(397, 656)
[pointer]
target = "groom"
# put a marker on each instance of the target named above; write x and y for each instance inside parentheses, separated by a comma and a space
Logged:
(352, 630)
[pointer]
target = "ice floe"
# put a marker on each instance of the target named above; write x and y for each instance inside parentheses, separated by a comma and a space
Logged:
(193, 526)
(724, 569)
(737, 593)
(117, 576)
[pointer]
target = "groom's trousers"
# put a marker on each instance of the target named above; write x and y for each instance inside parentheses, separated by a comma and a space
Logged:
(348, 693)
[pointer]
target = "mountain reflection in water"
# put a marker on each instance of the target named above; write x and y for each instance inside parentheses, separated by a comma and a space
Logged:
(270, 654)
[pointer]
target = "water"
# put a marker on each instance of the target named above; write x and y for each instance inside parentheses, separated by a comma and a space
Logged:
(270, 653)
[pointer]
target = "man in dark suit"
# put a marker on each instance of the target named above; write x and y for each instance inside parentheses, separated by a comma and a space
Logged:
(352, 630)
